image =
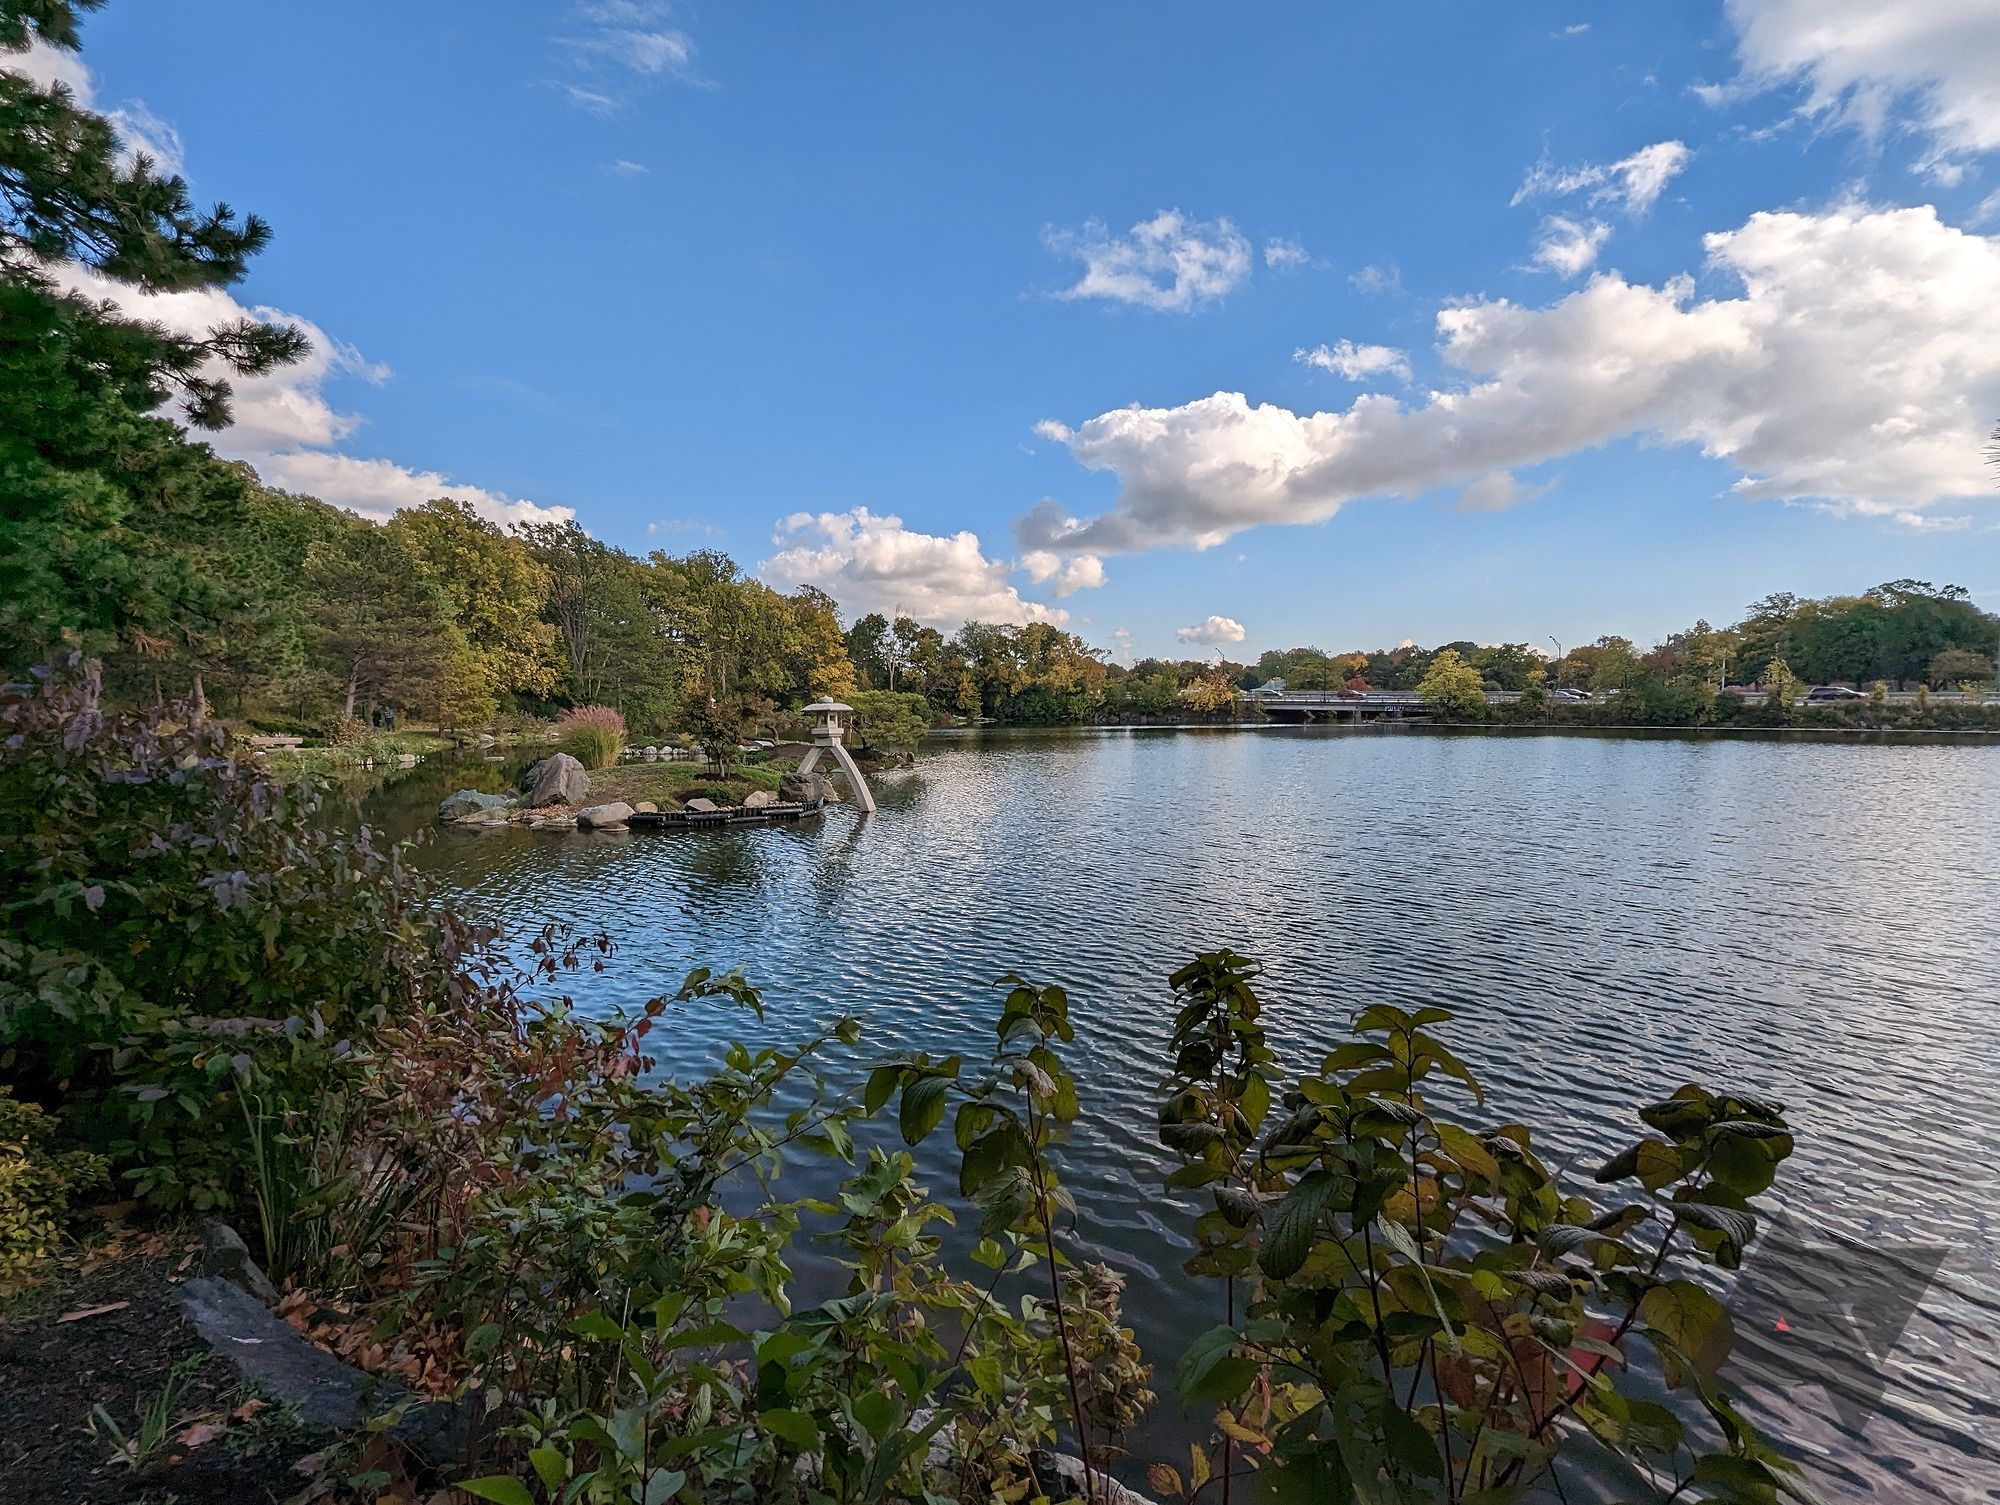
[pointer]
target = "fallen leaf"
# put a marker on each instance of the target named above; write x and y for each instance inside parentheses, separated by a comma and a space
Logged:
(249, 1409)
(93, 1311)
(200, 1432)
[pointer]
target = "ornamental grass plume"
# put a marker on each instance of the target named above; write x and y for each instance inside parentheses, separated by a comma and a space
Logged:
(592, 734)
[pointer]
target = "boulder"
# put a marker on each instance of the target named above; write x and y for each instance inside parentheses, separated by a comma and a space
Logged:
(224, 1254)
(600, 817)
(808, 789)
(650, 753)
(645, 807)
(758, 799)
(556, 780)
(702, 805)
(469, 803)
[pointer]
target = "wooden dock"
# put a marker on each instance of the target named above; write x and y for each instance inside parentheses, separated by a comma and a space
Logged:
(680, 820)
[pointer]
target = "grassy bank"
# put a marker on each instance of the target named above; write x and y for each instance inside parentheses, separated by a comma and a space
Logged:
(668, 784)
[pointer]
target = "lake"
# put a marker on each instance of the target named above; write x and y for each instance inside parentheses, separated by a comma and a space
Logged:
(1609, 915)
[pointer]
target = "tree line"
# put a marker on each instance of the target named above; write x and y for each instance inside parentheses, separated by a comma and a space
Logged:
(1903, 634)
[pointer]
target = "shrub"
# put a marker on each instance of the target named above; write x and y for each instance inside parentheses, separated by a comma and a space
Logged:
(35, 1186)
(180, 925)
(592, 734)
(350, 731)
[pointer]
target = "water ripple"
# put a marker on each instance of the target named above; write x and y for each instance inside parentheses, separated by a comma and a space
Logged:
(1609, 916)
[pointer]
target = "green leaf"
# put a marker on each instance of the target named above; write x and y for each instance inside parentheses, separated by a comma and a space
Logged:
(1238, 1205)
(550, 1467)
(1255, 1102)
(923, 1107)
(1210, 1371)
(662, 1484)
(1698, 1331)
(881, 1087)
(1735, 1228)
(878, 1411)
(795, 1427)
(500, 1489)
(1290, 1227)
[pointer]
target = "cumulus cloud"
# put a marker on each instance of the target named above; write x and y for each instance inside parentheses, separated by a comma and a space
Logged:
(1064, 577)
(1168, 262)
(1569, 247)
(1355, 362)
(1212, 632)
(1851, 366)
(1281, 254)
(1932, 66)
(873, 563)
(139, 129)
(1632, 183)
(285, 425)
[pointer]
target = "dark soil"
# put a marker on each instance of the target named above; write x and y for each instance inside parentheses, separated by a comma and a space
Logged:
(53, 1373)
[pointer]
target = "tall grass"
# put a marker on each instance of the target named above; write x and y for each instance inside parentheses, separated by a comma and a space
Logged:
(592, 734)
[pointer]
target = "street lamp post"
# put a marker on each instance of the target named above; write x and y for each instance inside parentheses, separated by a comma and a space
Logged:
(1559, 659)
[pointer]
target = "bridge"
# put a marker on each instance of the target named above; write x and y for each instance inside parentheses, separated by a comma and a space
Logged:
(1352, 705)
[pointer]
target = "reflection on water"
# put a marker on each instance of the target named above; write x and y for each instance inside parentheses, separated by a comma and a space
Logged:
(1610, 916)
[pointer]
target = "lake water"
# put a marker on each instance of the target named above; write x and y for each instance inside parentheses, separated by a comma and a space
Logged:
(1609, 915)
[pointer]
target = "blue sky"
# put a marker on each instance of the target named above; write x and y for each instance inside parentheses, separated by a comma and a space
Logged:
(1000, 273)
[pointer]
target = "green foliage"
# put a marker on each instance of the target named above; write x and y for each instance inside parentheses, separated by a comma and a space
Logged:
(1453, 687)
(37, 1184)
(179, 926)
(891, 721)
(156, 1420)
(1386, 1350)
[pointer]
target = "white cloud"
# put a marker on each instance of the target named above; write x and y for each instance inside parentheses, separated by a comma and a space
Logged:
(1282, 254)
(626, 37)
(282, 423)
(624, 167)
(1212, 632)
(1355, 362)
(47, 65)
(1854, 368)
(285, 425)
(1168, 262)
(1083, 572)
(1632, 183)
(1496, 491)
(138, 128)
(1377, 279)
(1569, 247)
(873, 563)
(1580, 28)
(1932, 66)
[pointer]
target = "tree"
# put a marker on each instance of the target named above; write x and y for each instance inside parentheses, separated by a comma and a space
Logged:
(1960, 666)
(374, 624)
(1615, 663)
(110, 518)
(491, 588)
(1212, 694)
(887, 719)
(719, 725)
(1453, 686)
(1781, 683)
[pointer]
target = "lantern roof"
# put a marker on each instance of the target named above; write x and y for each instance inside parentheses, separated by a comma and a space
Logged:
(830, 705)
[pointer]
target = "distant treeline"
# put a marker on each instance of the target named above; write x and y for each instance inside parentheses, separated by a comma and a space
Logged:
(1904, 633)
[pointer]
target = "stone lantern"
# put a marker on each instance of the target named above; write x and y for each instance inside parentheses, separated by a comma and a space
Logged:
(829, 726)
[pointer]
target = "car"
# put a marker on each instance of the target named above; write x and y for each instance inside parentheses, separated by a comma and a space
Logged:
(1571, 695)
(1833, 692)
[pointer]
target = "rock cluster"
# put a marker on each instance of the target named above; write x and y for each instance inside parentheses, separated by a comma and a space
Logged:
(556, 780)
